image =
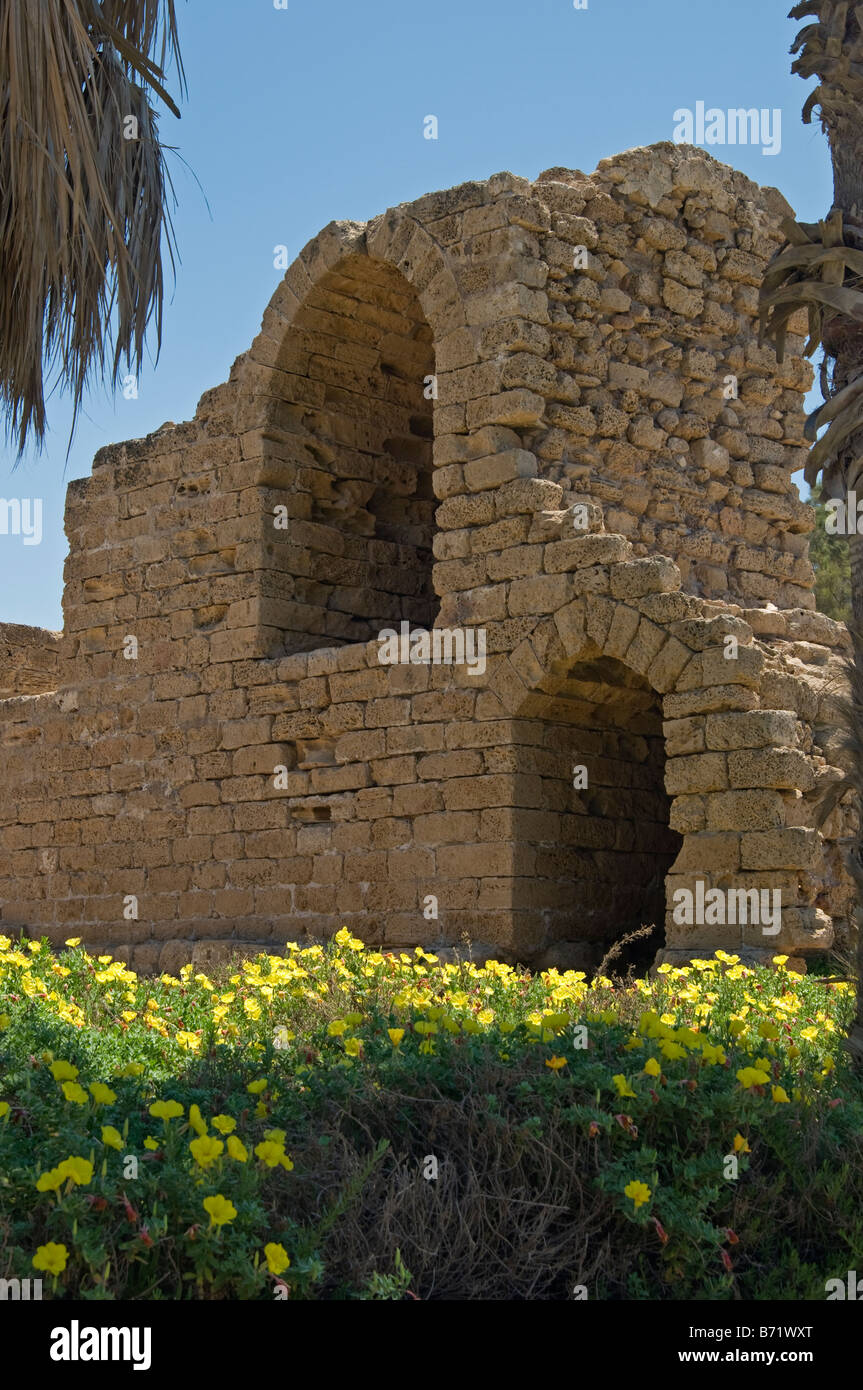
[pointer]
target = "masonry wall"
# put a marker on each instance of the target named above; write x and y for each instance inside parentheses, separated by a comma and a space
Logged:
(224, 759)
(29, 659)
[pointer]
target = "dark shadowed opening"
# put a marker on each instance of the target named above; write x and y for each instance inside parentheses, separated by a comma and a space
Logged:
(601, 850)
(355, 422)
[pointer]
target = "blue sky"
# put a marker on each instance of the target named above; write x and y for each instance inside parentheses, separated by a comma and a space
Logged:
(295, 117)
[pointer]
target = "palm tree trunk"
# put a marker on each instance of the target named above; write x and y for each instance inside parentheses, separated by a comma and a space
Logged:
(845, 342)
(855, 554)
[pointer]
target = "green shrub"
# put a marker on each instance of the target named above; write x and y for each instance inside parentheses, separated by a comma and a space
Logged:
(348, 1124)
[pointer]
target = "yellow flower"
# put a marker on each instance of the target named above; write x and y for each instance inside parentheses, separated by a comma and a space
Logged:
(50, 1181)
(237, 1149)
(112, 1137)
(353, 1046)
(261, 1110)
(555, 1063)
(353, 1020)
(77, 1170)
(623, 1086)
(73, 1092)
(80, 1170)
(752, 1076)
(102, 1094)
(256, 1087)
(779, 1094)
(277, 1258)
(165, 1109)
(51, 1257)
(652, 1067)
(134, 1069)
(395, 1035)
(63, 1071)
(672, 1051)
(190, 1041)
(73, 941)
(223, 1123)
(740, 1145)
(638, 1191)
(129, 1015)
(196, 1120)
(343, 938)
(4, 1109)
(151, 1143)
(206, 1150)
(220, 1210)
(337, 1028)
(270, 1152)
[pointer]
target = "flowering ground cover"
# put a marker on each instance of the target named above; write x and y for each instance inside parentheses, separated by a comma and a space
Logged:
(342, 1123)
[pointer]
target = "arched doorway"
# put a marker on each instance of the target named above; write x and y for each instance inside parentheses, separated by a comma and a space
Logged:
(594, 810)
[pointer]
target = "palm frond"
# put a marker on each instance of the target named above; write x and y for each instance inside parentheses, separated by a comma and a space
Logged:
(831, 49)
(83, 207)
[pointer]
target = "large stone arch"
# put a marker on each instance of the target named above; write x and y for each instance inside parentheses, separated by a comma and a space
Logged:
(736, 772)
(337, 402)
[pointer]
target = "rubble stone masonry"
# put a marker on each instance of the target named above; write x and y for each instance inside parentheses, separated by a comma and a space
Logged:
(535, 409)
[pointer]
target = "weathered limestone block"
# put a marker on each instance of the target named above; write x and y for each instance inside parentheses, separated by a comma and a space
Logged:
(635, 578)
(756, 729)
(795, 848)
(704, 772)
(582, 551)
(778, 767)
(709, 852)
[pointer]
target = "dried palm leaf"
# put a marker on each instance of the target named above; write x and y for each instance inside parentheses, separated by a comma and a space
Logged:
(810, 274)
(829, 410)
(848, 422)
(83, 207)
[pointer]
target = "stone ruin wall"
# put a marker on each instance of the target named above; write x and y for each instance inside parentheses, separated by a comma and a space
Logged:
(29, 660)
(593, 395)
